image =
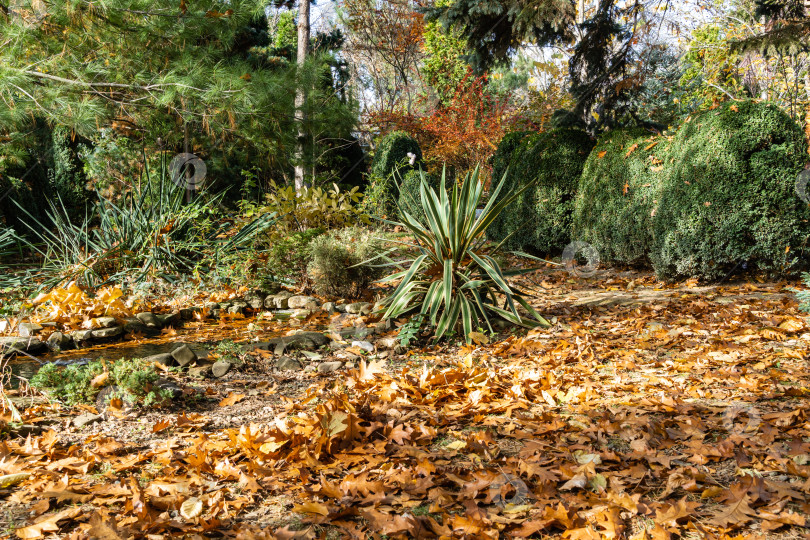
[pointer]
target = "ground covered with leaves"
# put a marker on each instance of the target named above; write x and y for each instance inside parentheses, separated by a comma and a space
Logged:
(646, 411)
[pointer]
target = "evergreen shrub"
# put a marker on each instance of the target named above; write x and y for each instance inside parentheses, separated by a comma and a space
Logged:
(613, 209)
(339, 264)
(539, 220)
(727, 201)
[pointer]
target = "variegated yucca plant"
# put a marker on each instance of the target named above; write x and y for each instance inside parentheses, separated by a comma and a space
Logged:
(453, 276)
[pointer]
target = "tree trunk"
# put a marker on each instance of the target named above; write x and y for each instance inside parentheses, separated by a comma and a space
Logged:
(580, 11)
(300, 93)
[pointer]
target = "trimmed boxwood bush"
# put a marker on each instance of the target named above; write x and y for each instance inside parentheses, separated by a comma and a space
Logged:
(541, 216)
(410, 199)
(500, 161)
(613, 209)
(727, 200)
(390, 165)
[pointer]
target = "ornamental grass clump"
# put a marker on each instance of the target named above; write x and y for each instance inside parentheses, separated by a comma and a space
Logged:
(454, 282)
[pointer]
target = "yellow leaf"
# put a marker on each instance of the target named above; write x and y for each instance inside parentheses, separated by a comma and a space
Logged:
(456, 445)
(191, 508)
(312, 507)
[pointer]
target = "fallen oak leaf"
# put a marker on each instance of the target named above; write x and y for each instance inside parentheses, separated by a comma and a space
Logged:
(231, 399)
(312, 507)
(48, 524)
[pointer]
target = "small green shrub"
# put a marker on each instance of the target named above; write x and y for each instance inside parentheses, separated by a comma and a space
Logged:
(135, 380)
(728, 197)
(388, 169)
(539, 219)
(335, 269)
(392, 154)
(613, 209)
(289, 256)
(410, 200)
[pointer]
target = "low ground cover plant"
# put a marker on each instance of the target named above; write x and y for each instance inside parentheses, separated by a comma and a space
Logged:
(134, 381)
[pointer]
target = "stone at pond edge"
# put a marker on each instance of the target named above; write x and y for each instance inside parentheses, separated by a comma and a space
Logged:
(365, 345)
(329, 307)
(359, 308)
(149, 319)
(58, 341)
(108, 333)
(133, 324)
(278, 301)
(183, 355)
(165, 359)
(287, 363)
(303, 302)
(329, 367)
(30, 345)
(255, 300)
(168, 319)
(86, 419)
(80, 336)
(304, 340)
(28, 329)
(220, 368)
(105, 322)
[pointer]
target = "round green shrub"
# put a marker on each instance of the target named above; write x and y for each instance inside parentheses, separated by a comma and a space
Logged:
(539, 219)
(340, 264)
(410, 199)
(391, 163)
(613, 209)
(500, 161)
(728, 201)
(392, 154)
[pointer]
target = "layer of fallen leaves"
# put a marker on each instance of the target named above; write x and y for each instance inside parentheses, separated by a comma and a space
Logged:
(685, 417)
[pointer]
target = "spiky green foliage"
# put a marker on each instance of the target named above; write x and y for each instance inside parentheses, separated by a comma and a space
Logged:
(539, 220)
(409, 193)
(728, 199)
(151, 231)
(613, 209)
(453, 279)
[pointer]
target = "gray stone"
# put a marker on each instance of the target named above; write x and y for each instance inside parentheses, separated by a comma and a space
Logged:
(105, 322)
(183, 355)
(163, 358)
(211, 305)
(81, 335)
(200, 372)
(304, 340)
(365, 345)
(30, 345)
(149, 319)
(49, 324)
(169, 319)
(26, 329)
(220, 368)
(58, 341)
(215, 312)
(86, 419)
(187, 313)
(303, 302)
(135, 325)
(301, 313)
(340, 308)
(336, 345)
(169, 387)
(278, 301)
(354, 333)
(387, 343)
(108, 333)
(287, 363)
(224, 305)
(359, 308)
(255, 300)
(329, 367)
(329, 307)
(237, 307)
